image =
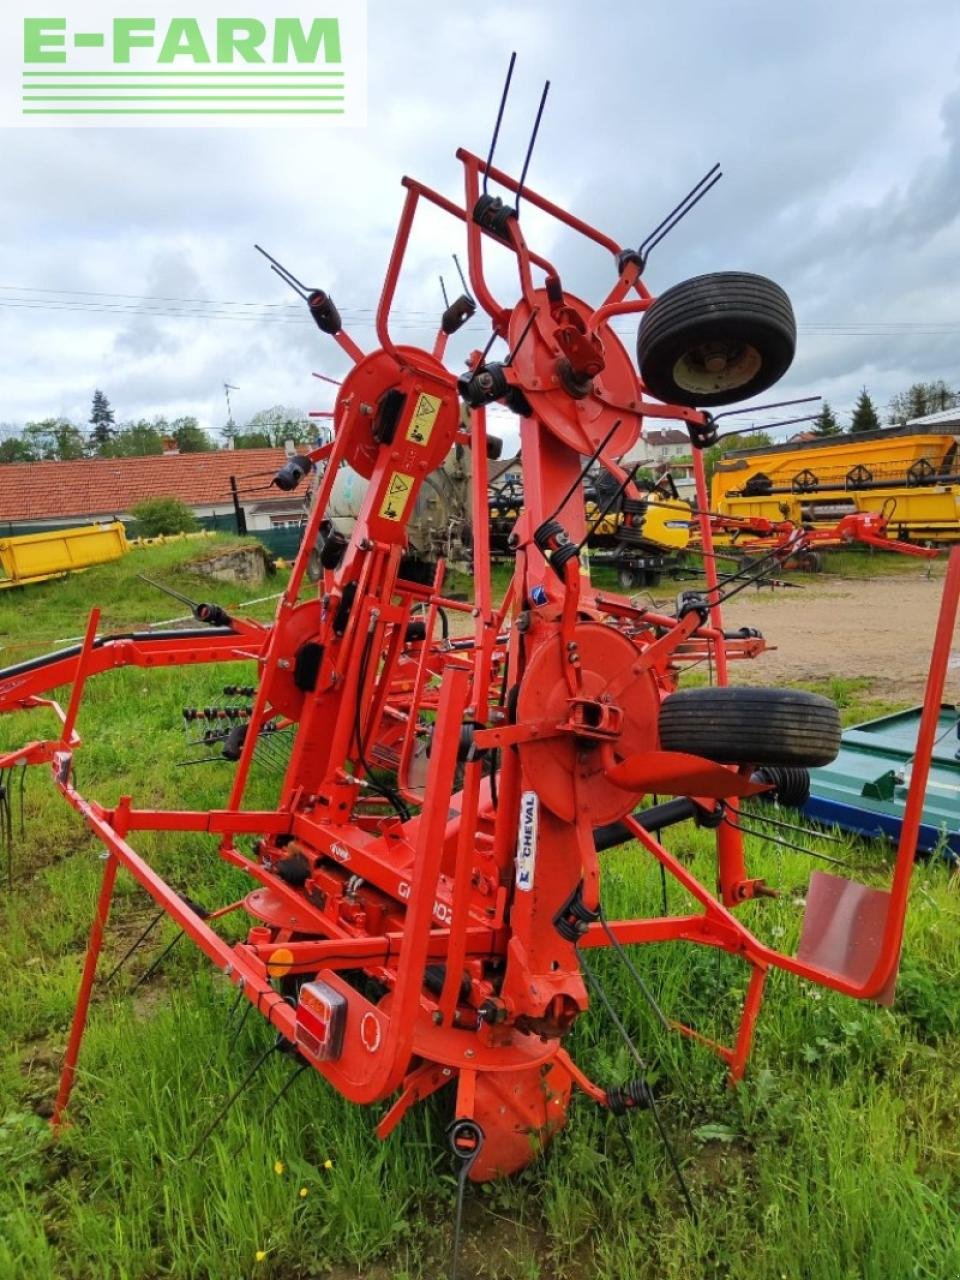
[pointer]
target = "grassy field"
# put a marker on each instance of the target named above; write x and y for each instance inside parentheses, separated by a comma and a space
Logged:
(837, 1159)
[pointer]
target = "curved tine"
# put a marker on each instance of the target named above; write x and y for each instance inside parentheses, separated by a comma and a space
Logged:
(463, 281)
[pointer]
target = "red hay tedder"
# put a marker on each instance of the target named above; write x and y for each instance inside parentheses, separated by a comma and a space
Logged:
(428, 890)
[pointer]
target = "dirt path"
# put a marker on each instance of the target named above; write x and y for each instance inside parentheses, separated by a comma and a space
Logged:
(879, 628)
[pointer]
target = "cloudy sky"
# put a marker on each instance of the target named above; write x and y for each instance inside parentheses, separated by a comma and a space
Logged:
(128, 261)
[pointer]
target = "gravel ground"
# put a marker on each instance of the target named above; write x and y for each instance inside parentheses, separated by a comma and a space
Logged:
(877, 628)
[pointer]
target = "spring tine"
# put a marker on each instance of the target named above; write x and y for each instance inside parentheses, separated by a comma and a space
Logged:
(463, 282)
(156, 964)
(594, 982)
(221, 1114)
(23, 797)
(496, 127)
(680, 216)
(530, 145)
(467, 1154)
(280, 269)
(131, 949)
(295, 1076)
(768, 426)
(642, 987)
(798, 848)
(239, 1027)
(676, 209)
(756, 815)
(520, 341)
(160, 586)
(298, 291)
(761, 408)
(236, 1005)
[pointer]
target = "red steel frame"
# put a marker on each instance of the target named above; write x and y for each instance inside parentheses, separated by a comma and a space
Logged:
(562, 681)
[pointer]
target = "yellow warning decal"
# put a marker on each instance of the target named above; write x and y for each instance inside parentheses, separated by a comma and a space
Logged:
(399, 488)
(425, 413)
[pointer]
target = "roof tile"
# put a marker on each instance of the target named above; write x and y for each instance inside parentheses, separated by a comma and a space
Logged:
(106, 486)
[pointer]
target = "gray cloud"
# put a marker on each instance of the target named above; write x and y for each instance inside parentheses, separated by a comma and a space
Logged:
(838, 127)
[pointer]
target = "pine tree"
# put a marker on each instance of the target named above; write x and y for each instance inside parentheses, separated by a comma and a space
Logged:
(101, 419)
(864, 415)
(825, 423)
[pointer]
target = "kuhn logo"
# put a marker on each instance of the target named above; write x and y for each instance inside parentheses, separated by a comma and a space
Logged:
(339, 852)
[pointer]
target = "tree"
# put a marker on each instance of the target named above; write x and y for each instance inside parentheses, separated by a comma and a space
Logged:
(13, 449)
(864, 415)
(135, 440)
(940, 396)
(101, 419)
(251, 440)
(279, 424)
(158, 516)
(921, 399)
(54, 439)
(825, 423)
(189, 436)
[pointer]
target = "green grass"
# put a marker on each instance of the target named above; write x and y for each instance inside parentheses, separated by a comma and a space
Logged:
(837, 1158)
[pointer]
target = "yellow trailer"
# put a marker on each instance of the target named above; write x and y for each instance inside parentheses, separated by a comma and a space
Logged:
(909, 474)
(36, 557)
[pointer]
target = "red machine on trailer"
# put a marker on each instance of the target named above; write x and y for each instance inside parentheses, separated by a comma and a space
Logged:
(428, 886)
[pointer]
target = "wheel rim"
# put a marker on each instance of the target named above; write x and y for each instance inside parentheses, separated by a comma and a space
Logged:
(711, 367)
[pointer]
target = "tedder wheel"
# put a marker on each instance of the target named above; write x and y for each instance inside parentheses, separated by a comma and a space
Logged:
(716, 339)
(751, 726)
(811, 562)
(627, 577)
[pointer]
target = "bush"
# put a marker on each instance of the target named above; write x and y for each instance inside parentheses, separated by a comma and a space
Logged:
(157, 516)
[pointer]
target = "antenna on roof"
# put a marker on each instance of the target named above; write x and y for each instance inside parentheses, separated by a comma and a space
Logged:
(227, 388)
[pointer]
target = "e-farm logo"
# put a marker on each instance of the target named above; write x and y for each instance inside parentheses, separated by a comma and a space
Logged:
(142, 64)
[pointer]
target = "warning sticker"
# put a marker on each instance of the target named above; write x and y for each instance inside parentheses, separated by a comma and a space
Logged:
(425, 413)
(399, 488)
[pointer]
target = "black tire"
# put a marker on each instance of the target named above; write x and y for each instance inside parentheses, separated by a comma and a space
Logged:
(742, 324)
(811, 562)
(752, 726)
(628, 578)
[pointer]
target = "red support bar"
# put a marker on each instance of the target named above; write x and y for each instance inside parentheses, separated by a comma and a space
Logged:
(79, 1023)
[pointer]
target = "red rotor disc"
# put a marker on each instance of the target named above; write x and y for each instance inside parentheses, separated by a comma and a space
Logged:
(581, 424)
(565, 769)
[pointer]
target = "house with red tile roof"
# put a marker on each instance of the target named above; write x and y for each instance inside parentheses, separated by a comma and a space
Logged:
(665, 450)
(45, 495)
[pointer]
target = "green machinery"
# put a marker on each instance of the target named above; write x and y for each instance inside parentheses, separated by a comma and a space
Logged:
(864, 789)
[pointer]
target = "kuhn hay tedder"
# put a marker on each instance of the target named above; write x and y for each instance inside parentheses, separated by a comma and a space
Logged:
(427, 891)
